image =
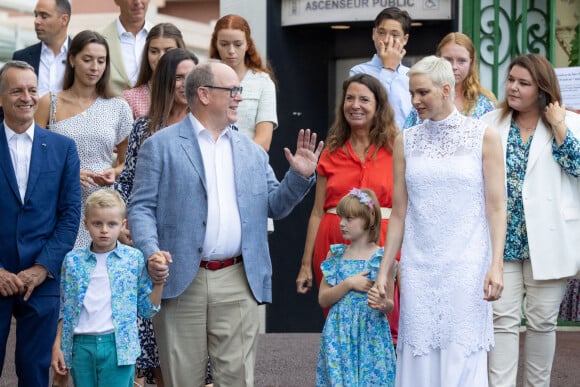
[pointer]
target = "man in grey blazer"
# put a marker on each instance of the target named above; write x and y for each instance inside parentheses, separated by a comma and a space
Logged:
(201, 198)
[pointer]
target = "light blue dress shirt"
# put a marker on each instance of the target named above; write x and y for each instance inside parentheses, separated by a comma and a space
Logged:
(396, 83)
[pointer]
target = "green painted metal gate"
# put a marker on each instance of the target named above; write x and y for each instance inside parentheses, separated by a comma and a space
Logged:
(504, 29)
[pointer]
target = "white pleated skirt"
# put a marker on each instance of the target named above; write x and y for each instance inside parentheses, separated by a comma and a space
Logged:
(441, 368)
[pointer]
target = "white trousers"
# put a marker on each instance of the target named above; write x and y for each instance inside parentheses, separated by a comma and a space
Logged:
(541, 304)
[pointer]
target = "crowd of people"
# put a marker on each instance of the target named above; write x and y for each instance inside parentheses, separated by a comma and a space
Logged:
(138, 198)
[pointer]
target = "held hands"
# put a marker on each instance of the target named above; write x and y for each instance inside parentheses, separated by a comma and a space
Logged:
(304, 280)
(305, 159)
(157, 266)
(391, 52)
(493, 284)
(377, 302)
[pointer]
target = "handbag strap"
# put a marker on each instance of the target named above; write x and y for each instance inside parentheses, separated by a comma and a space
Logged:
(52, 112)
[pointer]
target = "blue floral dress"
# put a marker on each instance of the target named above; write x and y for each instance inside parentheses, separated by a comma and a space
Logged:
(356, 348)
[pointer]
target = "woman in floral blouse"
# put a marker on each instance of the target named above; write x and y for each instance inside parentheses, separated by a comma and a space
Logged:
(542, 159)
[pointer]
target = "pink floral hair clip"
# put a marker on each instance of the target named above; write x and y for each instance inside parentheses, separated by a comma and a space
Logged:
(362, 196)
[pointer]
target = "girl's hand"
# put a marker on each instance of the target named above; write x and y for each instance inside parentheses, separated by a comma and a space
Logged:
(360, 282)
(378, 302)
(57, 362)
(105, 178)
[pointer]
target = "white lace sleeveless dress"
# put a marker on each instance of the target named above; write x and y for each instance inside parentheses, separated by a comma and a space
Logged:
(446, 327)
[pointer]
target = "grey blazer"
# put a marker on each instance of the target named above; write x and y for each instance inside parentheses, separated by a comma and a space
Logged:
(168, 206)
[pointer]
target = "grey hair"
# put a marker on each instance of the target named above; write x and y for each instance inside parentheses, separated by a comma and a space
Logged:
(439, 70)
(13, 64)
(201, 75)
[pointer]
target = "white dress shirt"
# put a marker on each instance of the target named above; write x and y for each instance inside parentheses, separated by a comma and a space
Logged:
(132, 48)
(20, 146)
(223, 236)
(51, 69)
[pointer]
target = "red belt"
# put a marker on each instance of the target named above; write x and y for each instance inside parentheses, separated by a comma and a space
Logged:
(216, 265)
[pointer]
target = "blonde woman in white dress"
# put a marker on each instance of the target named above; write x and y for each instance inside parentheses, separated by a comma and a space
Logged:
(449, 217)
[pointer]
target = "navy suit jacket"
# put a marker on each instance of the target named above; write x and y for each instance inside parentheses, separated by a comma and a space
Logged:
(30, 55)
(43, 228)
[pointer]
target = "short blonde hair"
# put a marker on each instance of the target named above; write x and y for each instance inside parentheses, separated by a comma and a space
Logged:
(105, 198)
(438, 70)
(362, 203)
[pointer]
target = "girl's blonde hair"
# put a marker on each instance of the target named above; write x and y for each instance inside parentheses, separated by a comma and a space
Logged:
(362, 203)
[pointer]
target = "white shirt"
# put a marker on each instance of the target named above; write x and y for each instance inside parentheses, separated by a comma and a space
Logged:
(20, 146)
(223, 236)
(51, 69)
(96, 315)
(132, 49)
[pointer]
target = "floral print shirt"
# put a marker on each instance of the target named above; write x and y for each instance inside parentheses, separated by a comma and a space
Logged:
(130, 290)
(567, 155)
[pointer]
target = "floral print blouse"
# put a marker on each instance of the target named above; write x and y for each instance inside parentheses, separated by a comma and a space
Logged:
(517, 152)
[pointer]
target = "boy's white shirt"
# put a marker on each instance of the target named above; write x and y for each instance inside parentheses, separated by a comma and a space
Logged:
(97, 314)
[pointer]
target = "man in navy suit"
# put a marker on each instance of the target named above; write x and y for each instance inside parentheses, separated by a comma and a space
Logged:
(48, 57)
(40, 214)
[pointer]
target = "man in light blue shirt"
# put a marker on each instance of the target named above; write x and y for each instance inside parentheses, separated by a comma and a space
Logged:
(390, 35)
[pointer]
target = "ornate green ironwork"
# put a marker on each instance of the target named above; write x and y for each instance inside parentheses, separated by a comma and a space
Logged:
(504, 29)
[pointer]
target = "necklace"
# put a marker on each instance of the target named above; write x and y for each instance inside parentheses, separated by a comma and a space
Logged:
(527, 128)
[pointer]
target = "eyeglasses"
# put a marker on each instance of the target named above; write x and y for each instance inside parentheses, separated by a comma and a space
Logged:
(234, 91)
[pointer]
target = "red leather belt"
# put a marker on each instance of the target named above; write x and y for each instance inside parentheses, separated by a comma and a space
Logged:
(216, 265)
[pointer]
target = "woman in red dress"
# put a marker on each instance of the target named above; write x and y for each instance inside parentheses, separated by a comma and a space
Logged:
(358, 154)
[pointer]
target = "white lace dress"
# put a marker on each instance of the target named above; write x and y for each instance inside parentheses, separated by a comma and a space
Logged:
(446, 327)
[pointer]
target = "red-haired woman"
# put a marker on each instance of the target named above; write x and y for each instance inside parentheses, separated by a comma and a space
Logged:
(232, 43)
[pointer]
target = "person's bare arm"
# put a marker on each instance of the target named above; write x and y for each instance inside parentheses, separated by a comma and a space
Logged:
(304, 278)
(495, 208)
(395, 232)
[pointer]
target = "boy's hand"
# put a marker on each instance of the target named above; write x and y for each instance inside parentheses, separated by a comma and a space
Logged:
(391, 52)
(57, 362)
(378, 302)
(360, 282)
(157, 267)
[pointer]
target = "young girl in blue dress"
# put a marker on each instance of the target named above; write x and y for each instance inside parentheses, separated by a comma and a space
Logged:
(356, 348)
